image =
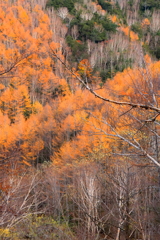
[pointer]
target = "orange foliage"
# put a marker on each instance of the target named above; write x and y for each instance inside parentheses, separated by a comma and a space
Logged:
(43, 117)
(133, 36)
(147, 59)
(89, 124)
(145, 22)
(27, 82)
(113, 18)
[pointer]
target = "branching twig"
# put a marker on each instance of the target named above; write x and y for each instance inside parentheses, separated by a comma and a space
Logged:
(133, 105)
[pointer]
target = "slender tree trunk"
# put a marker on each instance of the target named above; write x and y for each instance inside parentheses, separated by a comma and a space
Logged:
(118, 234)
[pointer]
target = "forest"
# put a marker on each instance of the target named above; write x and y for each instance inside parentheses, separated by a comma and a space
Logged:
(80, 120)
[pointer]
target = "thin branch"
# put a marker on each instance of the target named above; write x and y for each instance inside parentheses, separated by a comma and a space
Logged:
(153, 119)
(133, 105)
(126, 112)
(15, 64)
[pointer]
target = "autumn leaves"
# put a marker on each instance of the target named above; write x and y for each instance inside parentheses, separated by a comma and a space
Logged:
(47, 118)
(71, 148)
(27, 81)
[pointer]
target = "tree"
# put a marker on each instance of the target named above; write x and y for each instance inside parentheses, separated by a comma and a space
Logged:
(144, 85)
(26, 78)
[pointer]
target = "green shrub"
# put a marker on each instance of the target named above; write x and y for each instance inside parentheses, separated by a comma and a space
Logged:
(104, 74)
(62, 3)
(40, 227)
(137, 29)
(87, 28)
(105, 5)
(149, 5)
(157, 53)
(79, 49)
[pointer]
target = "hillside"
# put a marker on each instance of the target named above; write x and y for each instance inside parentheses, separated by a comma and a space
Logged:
(112, 35)
(79, 120)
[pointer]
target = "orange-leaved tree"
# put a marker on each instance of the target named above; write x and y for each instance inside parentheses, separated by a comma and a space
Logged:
(28, 83)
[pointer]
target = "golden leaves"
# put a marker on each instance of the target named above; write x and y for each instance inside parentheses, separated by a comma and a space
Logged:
(85, 68)
(132, 35)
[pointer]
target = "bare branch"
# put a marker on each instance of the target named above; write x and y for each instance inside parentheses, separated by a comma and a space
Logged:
(132, 105)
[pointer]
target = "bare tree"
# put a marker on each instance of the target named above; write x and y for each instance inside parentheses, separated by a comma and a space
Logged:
(63, 12)
(147, 105)
(20, 196)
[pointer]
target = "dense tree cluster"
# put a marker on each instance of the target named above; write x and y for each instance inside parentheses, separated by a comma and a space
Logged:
(78, 159)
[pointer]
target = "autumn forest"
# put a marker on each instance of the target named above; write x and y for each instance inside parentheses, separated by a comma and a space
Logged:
(80, 119)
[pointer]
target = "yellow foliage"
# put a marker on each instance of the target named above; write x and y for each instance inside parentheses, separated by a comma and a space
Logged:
(85, 68)
(37, 107)
(5, 232)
